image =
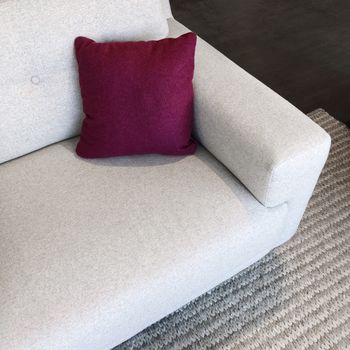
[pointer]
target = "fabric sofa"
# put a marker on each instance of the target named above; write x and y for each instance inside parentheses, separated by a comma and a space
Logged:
(94, 251)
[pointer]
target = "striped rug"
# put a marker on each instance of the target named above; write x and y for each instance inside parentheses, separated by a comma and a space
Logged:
(297, 297)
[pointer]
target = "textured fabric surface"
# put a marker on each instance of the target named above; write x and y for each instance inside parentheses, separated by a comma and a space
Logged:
(40, 101)
(137, 97)
(296, 297)
(265, 141)
(273, 148)
(94, 251)
(82, 260)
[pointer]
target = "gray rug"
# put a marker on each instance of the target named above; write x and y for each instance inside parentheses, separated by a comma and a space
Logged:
(297, 297)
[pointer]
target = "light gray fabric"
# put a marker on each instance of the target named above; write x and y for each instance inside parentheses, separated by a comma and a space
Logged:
(94, 251)
(273, 148)
(166, 8)
(264, 140)
(40, 98)
(295, 298)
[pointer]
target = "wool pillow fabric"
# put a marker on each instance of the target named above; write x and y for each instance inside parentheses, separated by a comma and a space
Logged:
(137, 97)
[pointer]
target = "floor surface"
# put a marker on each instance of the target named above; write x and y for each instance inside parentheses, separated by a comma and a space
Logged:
(301, 49)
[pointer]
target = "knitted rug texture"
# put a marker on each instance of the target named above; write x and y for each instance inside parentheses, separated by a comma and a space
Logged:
(296, 297)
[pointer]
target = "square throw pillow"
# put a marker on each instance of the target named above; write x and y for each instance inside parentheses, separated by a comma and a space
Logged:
(137, 97)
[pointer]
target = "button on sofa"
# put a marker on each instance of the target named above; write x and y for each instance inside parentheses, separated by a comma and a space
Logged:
(94, 251)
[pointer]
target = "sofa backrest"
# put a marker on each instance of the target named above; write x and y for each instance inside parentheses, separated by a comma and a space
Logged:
(39, 93)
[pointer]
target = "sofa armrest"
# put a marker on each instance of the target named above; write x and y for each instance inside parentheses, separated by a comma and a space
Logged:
(268, 144)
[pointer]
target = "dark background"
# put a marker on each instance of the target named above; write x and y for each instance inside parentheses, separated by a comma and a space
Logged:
(299, 48)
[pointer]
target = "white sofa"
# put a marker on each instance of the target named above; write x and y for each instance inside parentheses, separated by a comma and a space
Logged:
(94, 251)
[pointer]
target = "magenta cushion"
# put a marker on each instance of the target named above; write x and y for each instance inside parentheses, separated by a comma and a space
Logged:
(137, 97)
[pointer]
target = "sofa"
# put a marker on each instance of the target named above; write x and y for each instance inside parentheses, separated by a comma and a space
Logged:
(94, 251)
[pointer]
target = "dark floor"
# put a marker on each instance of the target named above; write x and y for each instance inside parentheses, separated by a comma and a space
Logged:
(300, 48)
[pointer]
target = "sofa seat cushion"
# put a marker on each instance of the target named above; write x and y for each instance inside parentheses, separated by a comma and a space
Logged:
(93, 251)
